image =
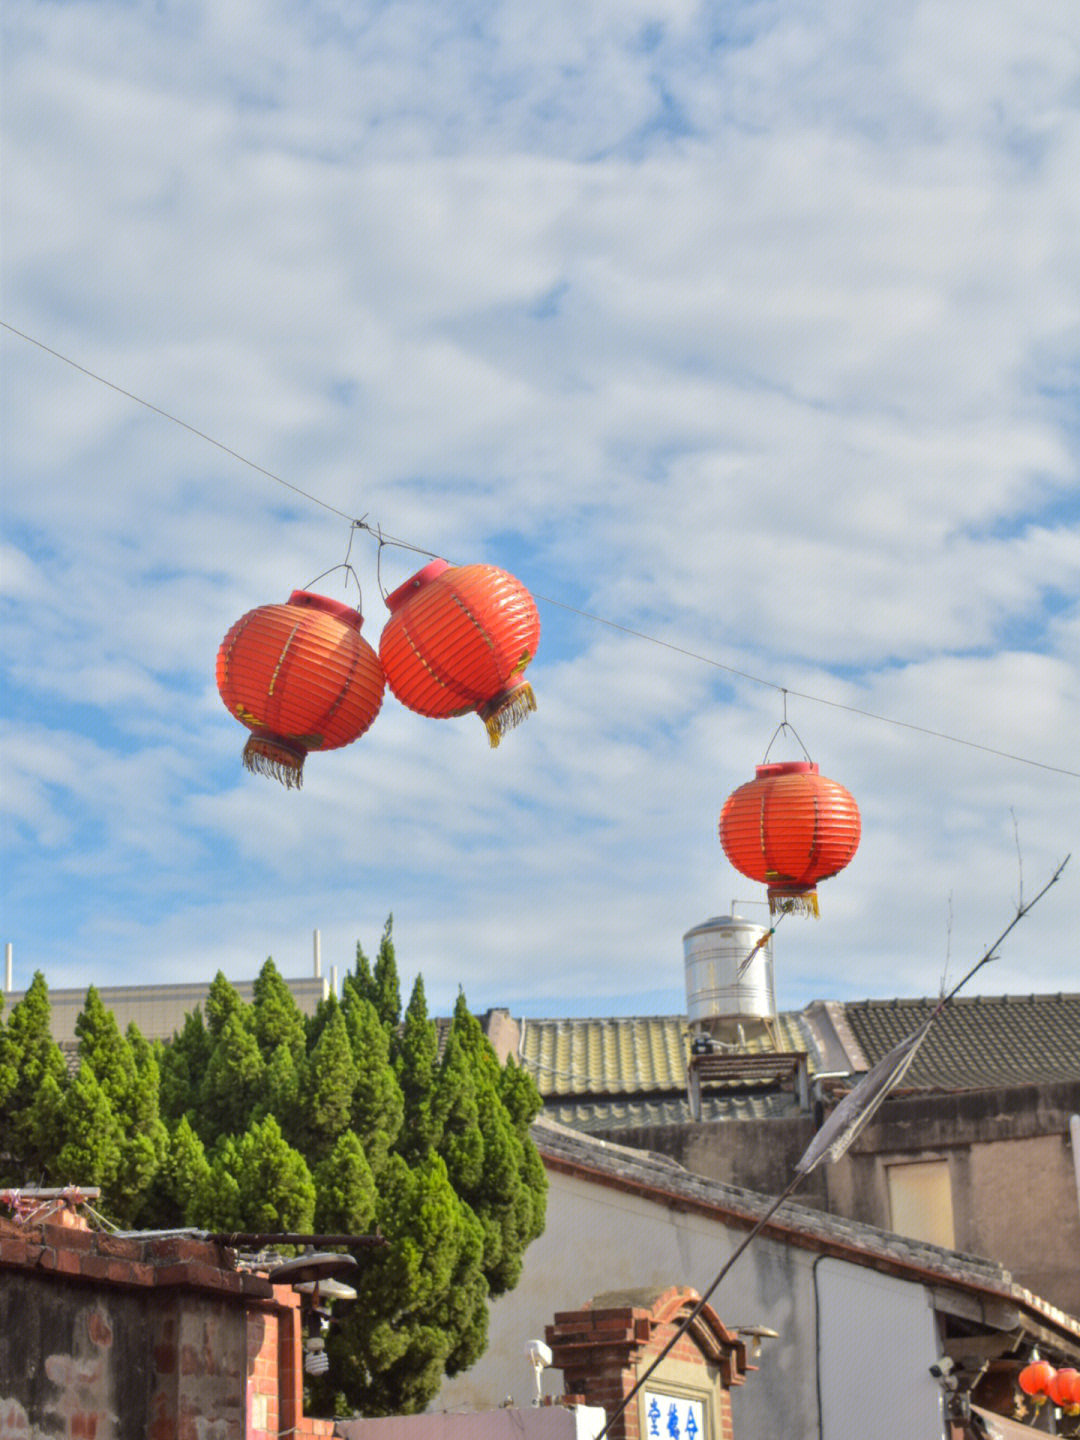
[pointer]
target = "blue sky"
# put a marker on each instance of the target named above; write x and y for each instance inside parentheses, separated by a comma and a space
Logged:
(752, 328)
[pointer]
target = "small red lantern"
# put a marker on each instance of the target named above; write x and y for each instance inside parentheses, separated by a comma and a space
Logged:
(1064, 1390)
(1035, 1380)
(789, 828)
(459, 638)
(301, 677)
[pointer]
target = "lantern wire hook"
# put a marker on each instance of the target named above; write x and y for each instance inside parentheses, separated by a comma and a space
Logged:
(347, 566)
(784, 725)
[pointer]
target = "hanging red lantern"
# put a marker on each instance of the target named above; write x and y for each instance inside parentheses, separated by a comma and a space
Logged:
(1064, 1390)
(301, 677)
(1035, 1380)
(458, 639)
(789, 828)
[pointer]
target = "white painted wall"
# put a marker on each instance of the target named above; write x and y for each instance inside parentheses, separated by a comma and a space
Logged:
(877, 1339)
(600, 1239)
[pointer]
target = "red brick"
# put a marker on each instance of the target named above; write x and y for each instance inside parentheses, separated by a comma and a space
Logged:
(58, 1236)
(118, 1248)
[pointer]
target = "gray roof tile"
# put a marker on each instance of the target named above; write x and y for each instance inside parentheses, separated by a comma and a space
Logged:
(978, 1041)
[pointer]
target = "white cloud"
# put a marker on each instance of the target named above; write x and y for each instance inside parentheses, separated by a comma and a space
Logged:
(754, 331)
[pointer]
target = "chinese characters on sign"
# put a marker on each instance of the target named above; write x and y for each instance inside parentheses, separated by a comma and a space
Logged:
(674, 1417)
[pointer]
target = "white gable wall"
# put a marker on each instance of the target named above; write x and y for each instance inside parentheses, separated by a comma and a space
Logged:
(877, 1337)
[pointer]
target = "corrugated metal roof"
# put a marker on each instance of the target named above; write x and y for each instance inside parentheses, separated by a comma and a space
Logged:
(626, 1055)
(978, 1041)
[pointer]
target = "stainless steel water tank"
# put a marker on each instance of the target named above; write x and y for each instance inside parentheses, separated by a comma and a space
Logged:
(718, 999)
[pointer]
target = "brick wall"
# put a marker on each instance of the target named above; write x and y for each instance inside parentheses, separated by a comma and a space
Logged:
(605, 1347)
(103, 1338)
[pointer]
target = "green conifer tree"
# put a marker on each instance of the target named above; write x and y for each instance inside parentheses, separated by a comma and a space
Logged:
(89, 1134)
(127, 1072)
(508, 1193)
(378, 1105)
(223, 1000)
(183, 1172)
(327, 1081)
(28, 1054)
(182, 1064)
(360, 982)
(345, 1193)
(232, 1085)
(421, 1303)
(258, 1182)
(387, 986)
(275, 1014)
(281, 1092)
(416, 1060)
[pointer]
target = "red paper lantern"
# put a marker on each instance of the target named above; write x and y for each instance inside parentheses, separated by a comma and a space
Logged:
(301, 677)
(458, 639)
(789, 828)
(1035, 1380)
(1064, 1390)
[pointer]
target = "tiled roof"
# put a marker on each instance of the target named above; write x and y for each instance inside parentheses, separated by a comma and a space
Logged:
(625, 1055)
(978, 1041)
(601, 1116)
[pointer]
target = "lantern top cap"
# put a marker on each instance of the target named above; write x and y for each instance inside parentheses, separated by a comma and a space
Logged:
(786, 767)
(308, 600)
(432, 571)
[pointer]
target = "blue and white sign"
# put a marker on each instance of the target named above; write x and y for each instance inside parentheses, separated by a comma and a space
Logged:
(674, 1417)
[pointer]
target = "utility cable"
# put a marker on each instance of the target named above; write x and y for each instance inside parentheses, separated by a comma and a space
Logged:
(384, 539)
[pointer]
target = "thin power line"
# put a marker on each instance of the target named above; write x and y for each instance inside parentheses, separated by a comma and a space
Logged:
(176, 421)
(384, 539)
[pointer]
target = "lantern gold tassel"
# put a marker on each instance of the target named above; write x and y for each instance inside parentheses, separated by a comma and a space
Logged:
(803, 902)
(507, 711)
(276, 760)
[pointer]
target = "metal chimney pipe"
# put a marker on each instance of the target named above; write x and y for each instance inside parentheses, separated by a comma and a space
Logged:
(333, 981)
(318, 955)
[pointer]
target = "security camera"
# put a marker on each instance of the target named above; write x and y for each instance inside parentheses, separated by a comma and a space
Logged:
(944, 1373)
(538, 1353)
(540, 1357)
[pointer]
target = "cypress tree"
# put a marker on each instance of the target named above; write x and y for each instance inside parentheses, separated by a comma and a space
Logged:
(281, 1092)
(378, 1105)
(257, 1181)
(89, 1134)
(387, 986)
(458, 1117)
(415, 1063)
(419, 1301)
(28, 1055)
(125, 1068)
(184, 1170)
(182, 1064)
(232, 1085)
(345, 1193)
(507, 1191)
(327, 1081)
(361, 982)
(222, 1000)
(276, 1016)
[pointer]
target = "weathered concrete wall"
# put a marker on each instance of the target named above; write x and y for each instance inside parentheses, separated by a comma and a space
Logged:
(1011, 1170)
(756, 1154)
